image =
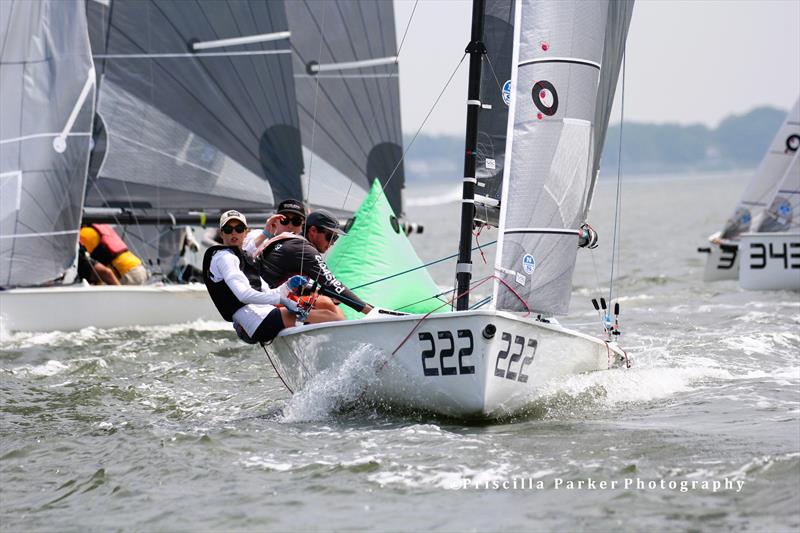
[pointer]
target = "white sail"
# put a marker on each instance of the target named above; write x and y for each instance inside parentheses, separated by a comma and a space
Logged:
(47, 101)
(763, 186)
(553, 132)
(783, 211)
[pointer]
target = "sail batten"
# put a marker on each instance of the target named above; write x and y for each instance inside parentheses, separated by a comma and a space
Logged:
(348, 98)
(197, 102)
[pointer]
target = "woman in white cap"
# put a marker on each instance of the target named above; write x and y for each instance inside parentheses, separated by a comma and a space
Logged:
(239, 293)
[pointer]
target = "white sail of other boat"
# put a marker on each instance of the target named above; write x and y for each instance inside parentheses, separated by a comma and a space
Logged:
(723, 260)
(47, 99)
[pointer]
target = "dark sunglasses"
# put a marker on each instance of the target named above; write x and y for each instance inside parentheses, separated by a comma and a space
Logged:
(295, 220)
(329, 235)
(239, 228)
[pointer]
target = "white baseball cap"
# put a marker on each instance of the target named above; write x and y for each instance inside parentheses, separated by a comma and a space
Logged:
(231, 215)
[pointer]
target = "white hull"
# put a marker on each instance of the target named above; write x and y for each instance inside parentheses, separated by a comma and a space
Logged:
(722, 261)
(770, 261)
(78, 306)
(446, 365)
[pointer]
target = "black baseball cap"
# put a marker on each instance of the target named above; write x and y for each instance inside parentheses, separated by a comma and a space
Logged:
(292, 207)
(322, 219)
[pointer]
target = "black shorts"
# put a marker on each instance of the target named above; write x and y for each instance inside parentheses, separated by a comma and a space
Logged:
(269, 327)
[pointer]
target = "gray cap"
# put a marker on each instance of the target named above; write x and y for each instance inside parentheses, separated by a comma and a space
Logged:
(323, 219)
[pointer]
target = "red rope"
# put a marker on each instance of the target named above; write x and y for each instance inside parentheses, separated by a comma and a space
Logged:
(480, 248)
(425, 317)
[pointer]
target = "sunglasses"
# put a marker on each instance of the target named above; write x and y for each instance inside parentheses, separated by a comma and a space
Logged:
(329, 235)
(295, 220)
(239, 228)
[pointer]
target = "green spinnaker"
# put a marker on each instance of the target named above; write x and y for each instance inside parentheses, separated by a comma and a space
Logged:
(375, 248)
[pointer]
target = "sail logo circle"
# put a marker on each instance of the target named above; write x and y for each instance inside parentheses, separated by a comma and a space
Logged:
(545, 97)
(528, 263)
(792, 143)
(507, 93)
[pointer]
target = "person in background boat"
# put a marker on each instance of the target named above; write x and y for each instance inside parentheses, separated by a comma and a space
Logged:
(107, 247)
(93, 271)
(288, 255)
(290, 217)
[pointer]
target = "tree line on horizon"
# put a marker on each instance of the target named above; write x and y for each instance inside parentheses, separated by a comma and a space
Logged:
(739, 142)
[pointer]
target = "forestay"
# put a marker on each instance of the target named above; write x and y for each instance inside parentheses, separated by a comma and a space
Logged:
(765, 183)
(47, 100)
(348, 97)
(560, 103)
(196, 106)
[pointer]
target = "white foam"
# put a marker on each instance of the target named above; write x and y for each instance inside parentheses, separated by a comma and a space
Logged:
(335, 388)
(90, 335)
(634, 384)
(50, 368)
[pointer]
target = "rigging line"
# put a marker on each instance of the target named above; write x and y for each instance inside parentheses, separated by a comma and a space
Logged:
(614, 250)
(482, 303)
(435, 296)
(422, 125)
(494, 74)
(421, 266)
(313, 128)
(408, 25)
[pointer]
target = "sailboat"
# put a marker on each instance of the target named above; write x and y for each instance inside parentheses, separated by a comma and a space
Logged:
(744, 249)
(489, 363)
(771, 254)
(196, 112)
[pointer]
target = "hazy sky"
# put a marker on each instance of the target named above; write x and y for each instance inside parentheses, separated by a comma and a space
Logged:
(688, 61)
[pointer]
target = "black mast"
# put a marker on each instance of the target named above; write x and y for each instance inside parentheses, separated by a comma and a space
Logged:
(475, 49)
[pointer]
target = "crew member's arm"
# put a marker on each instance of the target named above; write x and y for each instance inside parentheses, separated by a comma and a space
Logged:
(315, 268)
(227, 265)
(105, 274)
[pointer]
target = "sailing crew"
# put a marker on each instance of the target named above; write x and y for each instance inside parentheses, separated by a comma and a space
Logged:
(107, 247)
(238, 292)
(287, 255)
(290, 217)
(94, 271)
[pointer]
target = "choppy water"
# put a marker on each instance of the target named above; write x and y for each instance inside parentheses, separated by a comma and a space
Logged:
(185, 428)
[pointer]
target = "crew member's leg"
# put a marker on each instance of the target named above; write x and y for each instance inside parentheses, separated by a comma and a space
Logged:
(273, 323)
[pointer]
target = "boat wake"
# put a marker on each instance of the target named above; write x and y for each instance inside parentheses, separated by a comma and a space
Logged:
(335, 390)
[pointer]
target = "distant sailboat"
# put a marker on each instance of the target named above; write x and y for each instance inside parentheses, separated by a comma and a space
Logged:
(490, 363)
(196, 113)
(744, 249)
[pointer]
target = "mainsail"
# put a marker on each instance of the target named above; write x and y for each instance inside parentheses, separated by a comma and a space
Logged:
(348, 99)
(47, 95)
(196, 106)
(763, 186)
(561, 54)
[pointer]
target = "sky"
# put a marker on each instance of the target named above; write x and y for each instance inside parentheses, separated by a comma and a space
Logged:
(688, 61)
